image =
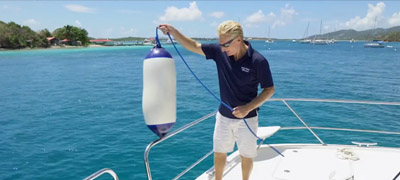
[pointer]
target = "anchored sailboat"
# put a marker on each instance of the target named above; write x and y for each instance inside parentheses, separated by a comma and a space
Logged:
(304, 40)
(319, 41)
(269, 40)
(374, 43)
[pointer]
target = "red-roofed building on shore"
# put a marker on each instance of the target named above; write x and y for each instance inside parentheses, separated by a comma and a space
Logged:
(52, 40)
(100, 41)
(71, 43)
(65, 42)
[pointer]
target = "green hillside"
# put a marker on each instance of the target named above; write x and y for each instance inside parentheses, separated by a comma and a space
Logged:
(390, 34)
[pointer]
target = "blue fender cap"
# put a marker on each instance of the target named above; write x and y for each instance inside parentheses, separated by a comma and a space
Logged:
(161, 129)
(157, 52)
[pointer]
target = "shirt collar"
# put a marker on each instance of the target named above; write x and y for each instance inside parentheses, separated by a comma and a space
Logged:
(249, 52)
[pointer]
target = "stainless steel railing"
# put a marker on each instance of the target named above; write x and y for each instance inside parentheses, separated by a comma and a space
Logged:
(146, 154)
(342, 129)
(285, 101)
(101, 172)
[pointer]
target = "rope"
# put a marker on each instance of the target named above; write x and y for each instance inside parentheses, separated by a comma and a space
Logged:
(209, 91)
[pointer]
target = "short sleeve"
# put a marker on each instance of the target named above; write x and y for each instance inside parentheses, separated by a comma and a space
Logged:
(210, 50)
(264, 73)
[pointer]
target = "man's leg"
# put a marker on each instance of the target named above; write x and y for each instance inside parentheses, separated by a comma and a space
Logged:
(247, 145)
(247, 166)
(219, 164)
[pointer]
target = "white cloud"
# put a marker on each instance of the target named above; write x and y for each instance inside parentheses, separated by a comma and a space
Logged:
(191, 13)
(79, 8)
(78, 23)
(31, 22)
(368, 21)
(395, 19)
(217, 14)
(286, 16)
(258, 18)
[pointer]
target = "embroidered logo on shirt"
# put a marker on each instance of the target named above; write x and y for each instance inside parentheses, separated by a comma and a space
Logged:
(245, 69)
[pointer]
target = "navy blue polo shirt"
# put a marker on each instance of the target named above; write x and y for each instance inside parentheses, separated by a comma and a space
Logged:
(239, 80)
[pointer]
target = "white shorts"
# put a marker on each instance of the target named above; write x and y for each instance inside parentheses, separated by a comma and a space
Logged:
(227, 131)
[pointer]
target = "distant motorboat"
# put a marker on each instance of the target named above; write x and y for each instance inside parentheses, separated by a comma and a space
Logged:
(269, 41)
(174, 41)
(352, 41)
(305, 41)
(374, 44)
(149, 42)
(332, 41)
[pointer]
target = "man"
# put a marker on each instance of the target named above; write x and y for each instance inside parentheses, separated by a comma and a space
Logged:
(240, 70)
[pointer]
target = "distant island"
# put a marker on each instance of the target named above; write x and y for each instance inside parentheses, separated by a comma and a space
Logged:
(389, 35)
(15, 36)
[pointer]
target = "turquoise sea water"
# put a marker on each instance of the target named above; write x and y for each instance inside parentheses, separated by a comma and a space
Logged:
(66, 113)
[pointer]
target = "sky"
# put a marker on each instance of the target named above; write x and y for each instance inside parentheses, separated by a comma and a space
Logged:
(284, 19)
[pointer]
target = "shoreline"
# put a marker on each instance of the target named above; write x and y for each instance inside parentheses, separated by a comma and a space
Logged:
(66, 47)
(102, 46)
(53, 47)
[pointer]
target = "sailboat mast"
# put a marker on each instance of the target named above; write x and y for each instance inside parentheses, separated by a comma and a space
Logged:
(320, 30)
(306, 32)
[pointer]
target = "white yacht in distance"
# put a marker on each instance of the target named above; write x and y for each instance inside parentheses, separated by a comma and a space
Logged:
(302, 160)
(174, 41)
(149, 42)
(269, 41)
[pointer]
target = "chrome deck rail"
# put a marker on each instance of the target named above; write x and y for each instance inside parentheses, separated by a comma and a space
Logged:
(342, 129)
(336, 101)
(101, 172)
(285, 101)
(304, 123)
(147, 151)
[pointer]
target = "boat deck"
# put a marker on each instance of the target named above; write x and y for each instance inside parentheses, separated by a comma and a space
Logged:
(317, 162)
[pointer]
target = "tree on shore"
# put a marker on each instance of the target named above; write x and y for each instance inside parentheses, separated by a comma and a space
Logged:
(73, 34)
(15, 36)
(45, 33)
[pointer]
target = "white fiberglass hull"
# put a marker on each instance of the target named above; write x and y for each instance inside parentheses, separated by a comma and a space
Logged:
(317, 162)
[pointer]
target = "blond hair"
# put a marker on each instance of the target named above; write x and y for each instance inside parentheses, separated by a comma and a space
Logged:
(230, 27)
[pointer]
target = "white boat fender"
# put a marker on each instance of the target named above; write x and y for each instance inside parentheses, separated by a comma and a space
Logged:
(159, 91)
